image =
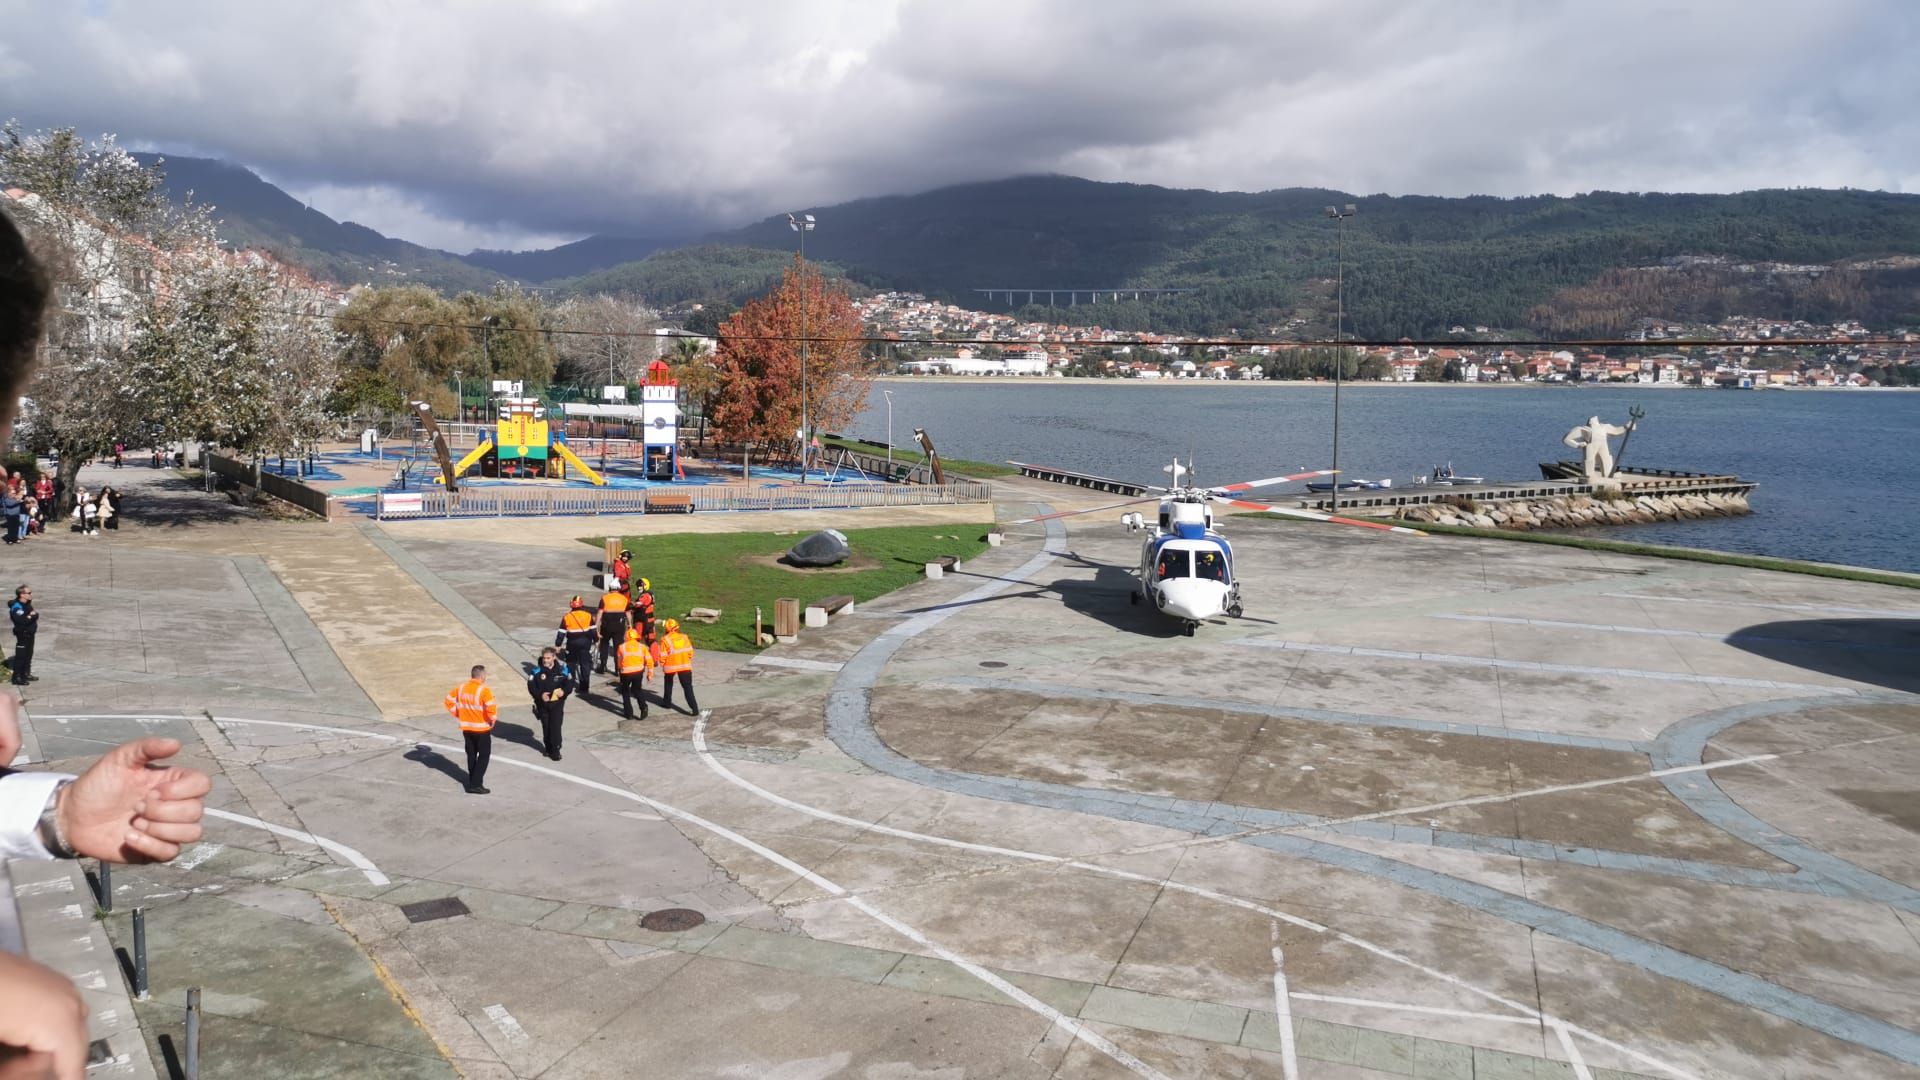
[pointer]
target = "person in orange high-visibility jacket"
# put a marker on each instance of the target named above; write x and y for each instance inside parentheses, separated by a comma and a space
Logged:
(472, 704)
(577, 635)
(613, 623)
(674, 653)
(634, 663)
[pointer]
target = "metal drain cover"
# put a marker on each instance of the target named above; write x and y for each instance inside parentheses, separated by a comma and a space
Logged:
(671, 920)
(993, 663)
(429, 910)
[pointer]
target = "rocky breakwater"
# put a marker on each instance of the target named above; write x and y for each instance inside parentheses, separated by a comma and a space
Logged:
(1616, 507)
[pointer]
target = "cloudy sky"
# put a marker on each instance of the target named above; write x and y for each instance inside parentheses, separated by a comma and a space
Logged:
(473, 123)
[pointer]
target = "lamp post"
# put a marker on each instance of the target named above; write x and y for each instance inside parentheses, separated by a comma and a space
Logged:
(888, 394)
(459, 398)
(1340, 214)
(803, 224)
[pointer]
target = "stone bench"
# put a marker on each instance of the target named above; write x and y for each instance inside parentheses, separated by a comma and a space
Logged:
(941, 565)
(821, 610)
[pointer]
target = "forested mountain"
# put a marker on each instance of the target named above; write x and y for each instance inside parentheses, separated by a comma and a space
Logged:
(1415, 265)
(254, 213)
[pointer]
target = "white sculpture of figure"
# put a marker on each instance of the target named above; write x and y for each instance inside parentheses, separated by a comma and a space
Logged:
(1592, 437)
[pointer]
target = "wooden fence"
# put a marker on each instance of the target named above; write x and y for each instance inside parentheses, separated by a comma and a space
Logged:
(311, 499)
(554, 501)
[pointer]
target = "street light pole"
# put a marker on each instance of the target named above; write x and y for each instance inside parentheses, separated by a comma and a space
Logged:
(888, 394)
(1340, 216)
(460, 398)
(803, 224)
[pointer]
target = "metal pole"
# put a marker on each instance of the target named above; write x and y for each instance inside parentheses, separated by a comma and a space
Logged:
(140, 954)
(1339, 325)
(805, 430)
(106, 886)
(191, 1066)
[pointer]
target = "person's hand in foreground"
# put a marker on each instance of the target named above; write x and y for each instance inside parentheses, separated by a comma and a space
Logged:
(9, 728)
(43, 1022)
(126, 810)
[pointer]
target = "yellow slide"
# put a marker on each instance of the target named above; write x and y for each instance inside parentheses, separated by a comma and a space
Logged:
(473, 455)
(568, 455)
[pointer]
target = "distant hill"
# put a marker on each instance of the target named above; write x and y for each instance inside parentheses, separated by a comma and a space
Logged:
(1415, 265)
(254, 213)
(708, 273)
(572, 260)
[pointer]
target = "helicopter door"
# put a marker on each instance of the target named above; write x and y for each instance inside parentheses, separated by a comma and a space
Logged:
(1172, 564)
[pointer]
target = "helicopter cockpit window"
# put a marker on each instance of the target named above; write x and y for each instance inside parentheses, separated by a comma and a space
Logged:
(1173, 564)
(1211, 566)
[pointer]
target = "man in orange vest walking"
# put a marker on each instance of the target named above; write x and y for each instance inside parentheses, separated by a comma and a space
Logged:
(634, 663)
(577, 635)
(674, 653)
(613, 622)
(472, 704)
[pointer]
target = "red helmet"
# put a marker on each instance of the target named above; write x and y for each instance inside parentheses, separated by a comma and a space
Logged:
(576, 602)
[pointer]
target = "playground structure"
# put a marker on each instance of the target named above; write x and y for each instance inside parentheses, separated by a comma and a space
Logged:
(524, 446)
(660, 422)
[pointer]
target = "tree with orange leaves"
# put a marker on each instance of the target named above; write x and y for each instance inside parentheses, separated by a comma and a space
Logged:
(759, 396)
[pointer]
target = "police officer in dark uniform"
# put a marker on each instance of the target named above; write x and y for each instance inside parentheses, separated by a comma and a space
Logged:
(550, 684)
(577, 636)
(26, 622)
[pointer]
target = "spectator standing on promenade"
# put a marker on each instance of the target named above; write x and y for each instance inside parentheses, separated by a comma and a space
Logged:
(473, 705)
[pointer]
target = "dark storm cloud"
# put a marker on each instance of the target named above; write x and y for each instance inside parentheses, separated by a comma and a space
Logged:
(462, 124)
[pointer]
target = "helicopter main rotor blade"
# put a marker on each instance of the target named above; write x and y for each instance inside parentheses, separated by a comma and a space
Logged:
(1312, 516)
(1250, 484)
(1089, 510)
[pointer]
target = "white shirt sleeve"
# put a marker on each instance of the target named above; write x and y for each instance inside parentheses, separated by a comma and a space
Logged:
(23, 795)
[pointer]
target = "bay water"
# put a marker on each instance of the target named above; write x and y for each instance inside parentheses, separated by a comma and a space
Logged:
(1839, 471)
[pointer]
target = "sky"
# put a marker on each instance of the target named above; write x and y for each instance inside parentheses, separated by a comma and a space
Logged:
(520, 125)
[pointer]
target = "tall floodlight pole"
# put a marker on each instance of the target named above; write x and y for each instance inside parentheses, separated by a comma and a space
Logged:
(460, 397)
(803, 224)
(888, 394)
(1340, 214)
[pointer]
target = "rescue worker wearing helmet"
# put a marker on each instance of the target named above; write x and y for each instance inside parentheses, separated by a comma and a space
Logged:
(576, 636)
(634, 662)
(643, 610)
(623, 572)
(674, 653)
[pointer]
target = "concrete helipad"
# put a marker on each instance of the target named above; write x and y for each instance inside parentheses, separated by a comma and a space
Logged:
(1434, 808)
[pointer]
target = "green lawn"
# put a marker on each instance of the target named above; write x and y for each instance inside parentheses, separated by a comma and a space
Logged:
(735, 571)
(903, 456)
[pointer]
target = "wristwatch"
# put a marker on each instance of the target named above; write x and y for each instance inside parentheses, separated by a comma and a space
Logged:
(52, 836)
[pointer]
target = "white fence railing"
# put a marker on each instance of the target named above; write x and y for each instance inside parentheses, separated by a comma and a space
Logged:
(553, 501)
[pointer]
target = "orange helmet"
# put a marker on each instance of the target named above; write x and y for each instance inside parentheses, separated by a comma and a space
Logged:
(576, 602)
(633, 635)
(671, 625)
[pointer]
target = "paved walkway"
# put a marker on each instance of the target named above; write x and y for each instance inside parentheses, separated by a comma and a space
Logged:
(1005, 824)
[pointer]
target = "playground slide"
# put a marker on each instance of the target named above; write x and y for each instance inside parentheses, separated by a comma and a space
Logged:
(572, 460)
(473, 455)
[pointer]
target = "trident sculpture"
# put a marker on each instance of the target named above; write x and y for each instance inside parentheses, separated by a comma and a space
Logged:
(1591, 437)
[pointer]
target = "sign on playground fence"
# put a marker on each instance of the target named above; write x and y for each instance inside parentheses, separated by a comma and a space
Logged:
(401, 502)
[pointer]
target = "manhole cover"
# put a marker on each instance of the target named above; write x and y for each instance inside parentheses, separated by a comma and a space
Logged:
(671, 920)
(993, 663)
(429, 910)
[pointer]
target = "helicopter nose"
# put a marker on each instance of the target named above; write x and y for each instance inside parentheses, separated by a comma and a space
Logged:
(1189, 598)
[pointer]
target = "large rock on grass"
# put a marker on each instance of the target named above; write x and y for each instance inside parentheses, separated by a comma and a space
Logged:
(827, 547)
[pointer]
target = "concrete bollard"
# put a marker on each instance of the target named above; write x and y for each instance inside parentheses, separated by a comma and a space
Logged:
(140, 954)
(935, 570)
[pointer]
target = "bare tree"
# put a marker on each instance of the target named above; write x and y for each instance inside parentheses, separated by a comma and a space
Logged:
(610, 341)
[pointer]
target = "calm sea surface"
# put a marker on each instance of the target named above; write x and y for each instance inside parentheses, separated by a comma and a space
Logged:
(1839, 471)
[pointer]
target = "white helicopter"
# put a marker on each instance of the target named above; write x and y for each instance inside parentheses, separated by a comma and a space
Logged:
(1186, 565)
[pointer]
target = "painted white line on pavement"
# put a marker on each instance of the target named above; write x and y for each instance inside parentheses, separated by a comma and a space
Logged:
(509, 1027)
(1431, 1010)
(1580, 1070)
(1529, 1015)
(1452, 804)
(372, 872)
(1457, 660)
(196, 855)
(1283, 1011)
(763, 660)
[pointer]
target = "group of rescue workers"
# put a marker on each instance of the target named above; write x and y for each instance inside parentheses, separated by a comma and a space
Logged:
(623, 627)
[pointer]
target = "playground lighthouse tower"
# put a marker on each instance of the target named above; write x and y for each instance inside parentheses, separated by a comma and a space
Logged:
(660, 422)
